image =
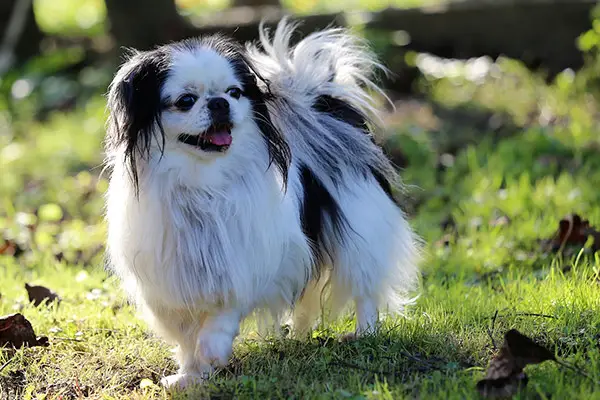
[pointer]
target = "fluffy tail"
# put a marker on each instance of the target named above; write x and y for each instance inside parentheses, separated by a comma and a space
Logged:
(331, 62)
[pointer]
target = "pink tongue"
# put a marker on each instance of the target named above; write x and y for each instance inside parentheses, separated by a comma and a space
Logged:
(221, 138)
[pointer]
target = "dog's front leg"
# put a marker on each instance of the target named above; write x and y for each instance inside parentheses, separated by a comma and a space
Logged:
(215, 341)
(212, 348)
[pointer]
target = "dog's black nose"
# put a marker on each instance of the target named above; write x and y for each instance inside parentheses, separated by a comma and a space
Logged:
(218, 104)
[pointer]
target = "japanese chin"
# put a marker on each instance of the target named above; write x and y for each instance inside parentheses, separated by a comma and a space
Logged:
(246, 179)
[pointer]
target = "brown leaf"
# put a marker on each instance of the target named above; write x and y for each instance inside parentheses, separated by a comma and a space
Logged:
(502, 387)
(16, 331)
(574, 231)
(524, 350)
(37, 295)
(10, 248)
(505, 376)
(7, 247)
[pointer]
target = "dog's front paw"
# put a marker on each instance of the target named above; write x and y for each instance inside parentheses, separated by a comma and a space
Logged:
(181, 381)
(215, 348)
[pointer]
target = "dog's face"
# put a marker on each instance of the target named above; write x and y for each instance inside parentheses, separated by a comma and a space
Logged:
(204, 105)
(196, 98)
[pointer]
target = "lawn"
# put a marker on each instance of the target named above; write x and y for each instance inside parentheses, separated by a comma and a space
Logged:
(492, 162)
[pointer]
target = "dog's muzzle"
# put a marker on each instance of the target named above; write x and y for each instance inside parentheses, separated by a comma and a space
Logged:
(218, 136)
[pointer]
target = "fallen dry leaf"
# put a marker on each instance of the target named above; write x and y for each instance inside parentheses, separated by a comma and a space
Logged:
(10, 248)
(502, 387)
(505, 376)
(16, 331)
(573, 231)
(37, 295)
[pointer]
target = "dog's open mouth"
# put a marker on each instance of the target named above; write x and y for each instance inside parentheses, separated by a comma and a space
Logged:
(216, 138)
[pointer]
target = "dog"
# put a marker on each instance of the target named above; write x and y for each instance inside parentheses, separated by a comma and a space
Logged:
(245, 179)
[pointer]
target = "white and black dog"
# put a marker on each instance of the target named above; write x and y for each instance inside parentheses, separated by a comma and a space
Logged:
(247, 178)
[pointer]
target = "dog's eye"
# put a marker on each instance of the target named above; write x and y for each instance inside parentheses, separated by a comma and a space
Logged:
(186, 102)
(234, 92)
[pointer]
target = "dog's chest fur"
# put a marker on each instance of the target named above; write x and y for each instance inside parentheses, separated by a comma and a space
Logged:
(184, 246)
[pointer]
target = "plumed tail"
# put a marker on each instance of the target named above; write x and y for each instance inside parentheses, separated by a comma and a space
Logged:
(331, 62)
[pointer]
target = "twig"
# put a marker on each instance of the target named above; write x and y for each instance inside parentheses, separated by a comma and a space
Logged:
(490, 331)
(393, 328)
(66, 339)
(6, 364)
(78, 388)
(577, 370)
(521, 315)
(534, 315)
(417, 359)
(566, 238)
(346, 364)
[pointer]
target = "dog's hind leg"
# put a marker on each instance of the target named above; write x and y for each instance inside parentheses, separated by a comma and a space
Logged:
(310, 306)
(375, 255)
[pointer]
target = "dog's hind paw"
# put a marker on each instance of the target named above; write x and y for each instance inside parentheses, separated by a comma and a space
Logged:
(181, 381)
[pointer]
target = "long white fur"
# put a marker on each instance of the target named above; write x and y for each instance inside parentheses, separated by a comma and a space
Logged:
(213, 238)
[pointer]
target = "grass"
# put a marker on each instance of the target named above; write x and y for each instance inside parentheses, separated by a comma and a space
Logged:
(482, 211)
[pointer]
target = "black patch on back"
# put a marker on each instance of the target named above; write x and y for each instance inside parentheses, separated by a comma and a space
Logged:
(318, 206)
(342, 111)
(345, 112)
(383, 182)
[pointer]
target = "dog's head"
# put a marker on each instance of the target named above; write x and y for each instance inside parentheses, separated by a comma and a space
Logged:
(196, 98)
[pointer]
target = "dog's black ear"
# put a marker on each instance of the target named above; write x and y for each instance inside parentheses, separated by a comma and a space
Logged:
(135, 105)
(279, 150)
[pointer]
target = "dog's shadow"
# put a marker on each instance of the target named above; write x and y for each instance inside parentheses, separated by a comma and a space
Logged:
(327, 362)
